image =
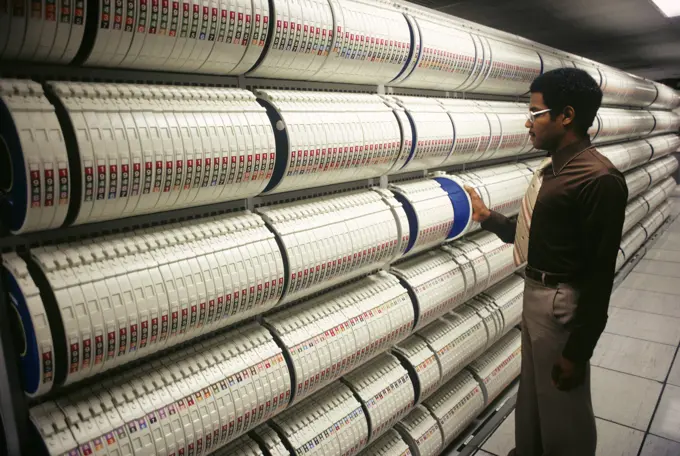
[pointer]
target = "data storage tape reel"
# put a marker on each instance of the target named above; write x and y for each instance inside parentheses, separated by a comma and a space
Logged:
(332, 239)
(666, 122)
(187, 296)
(42, 32)
(435, 37)
(655, 195)
(385, 390)
(421, 362)
(654, 220)
(301, 39)
(36, 348)
(243, 446)
(33, 158)
(508, 135)
(456, 404)
(512, 68)
(473, 263)
(637, 181)
(328, 138)
(498, 254)
(437, 282)
(507, 296)
(490, 315)
(389, 444)
(667, 98)
(471, 128)
(630, 243)
(372, 43)
(499, 366)
(462, 205)
(421, 432)
(330, 422)
(664, 145)
(199, 36)
(269, 440)
(457, 338)
(639, 207)
(50, 423)
(628, 155)
(429, 210)
(620, 124)
(359, 321)
(141, 148)
(433, 132)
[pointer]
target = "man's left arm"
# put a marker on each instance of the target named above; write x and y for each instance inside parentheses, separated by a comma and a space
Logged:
(603, 205)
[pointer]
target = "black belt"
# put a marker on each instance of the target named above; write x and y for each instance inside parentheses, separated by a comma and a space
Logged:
(547, 278)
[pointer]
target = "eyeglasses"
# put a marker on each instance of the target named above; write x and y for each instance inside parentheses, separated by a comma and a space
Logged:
(531, 117)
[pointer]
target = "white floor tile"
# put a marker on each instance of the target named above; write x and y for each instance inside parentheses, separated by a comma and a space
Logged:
(656, 446)
(674, 377)
(660, 268)
(667, 418)
(633, 356)
(608, 390)
(646, 326)
(650, 282)
(646, 301)
(503, 440)
(656, 253)
(616, 440)
(669, 240)
(484, 453)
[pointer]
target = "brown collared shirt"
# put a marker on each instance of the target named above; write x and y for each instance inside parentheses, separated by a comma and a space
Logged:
(576, 230)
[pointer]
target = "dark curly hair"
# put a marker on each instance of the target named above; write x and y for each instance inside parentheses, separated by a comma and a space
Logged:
(570, 87)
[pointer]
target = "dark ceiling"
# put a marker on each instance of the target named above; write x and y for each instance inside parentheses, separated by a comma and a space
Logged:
(629, 34)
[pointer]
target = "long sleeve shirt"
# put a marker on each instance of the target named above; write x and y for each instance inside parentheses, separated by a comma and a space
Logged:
(576, 229)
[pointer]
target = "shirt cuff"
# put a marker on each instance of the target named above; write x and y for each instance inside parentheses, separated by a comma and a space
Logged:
(494, 221)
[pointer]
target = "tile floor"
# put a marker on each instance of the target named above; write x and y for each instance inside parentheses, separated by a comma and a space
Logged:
(637, 358)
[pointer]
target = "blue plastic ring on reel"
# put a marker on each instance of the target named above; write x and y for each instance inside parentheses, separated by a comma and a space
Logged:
(15, 211)
(29, 359)
(462, 208)
(411, 217)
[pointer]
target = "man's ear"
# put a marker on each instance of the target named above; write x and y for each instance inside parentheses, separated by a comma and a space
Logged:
(569, 115)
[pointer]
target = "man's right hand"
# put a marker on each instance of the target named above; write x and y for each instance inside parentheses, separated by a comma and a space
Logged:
(480, 213)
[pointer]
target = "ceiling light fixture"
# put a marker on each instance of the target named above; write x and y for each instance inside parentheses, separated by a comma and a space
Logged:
(669, 8)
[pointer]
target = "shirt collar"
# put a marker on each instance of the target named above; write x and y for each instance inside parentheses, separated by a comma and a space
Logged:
(562, 157)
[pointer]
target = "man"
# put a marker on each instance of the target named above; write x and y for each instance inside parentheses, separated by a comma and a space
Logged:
(568, 232)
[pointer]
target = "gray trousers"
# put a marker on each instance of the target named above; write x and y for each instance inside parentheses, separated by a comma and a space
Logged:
(549, 422)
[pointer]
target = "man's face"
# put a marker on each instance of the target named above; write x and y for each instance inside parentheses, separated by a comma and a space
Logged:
(545, 133)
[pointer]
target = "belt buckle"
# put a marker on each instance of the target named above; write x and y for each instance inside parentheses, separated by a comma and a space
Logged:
(543, 279)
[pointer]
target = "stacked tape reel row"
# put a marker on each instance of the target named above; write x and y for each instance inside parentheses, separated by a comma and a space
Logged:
(331, 239)
(346, 416)
(126, 296)
(650, 174)
(107, 151)
(128, 412)
(646, 202)
(201, 397)
(87, 307)
(334, 333)
(630, 155)
(431, 426)
(139, 149)
(191, 402)
(636, 236)
(326, 138)
(441, 280)
(460, 335)
(325, 40)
